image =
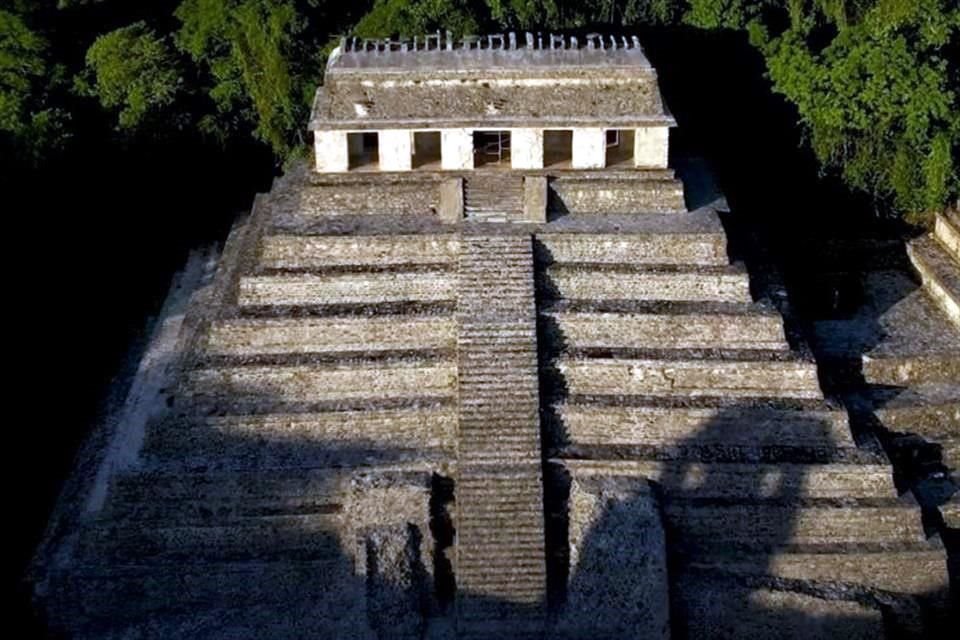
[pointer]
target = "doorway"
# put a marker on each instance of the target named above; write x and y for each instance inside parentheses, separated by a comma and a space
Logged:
(491, 149)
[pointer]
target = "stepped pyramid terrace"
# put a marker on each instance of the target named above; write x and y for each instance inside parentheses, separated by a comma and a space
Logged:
(478, 372)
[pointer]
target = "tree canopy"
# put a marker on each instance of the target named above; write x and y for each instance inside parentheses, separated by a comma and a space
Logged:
(875, 82)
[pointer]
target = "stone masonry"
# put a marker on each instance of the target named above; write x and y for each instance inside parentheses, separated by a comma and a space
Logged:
(476, 401)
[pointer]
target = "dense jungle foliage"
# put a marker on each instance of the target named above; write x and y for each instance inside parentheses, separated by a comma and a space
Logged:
(875, 82)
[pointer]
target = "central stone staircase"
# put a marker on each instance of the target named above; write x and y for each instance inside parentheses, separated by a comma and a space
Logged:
(501, 575)
(493, 196)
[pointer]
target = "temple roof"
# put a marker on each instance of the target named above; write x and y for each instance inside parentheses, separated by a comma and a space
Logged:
(496, 81)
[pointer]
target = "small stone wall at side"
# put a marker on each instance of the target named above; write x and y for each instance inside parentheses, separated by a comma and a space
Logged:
(366, 193)
(615, 193)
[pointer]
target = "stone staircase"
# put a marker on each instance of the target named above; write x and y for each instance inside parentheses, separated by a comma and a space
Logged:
(936, 258)
(904, 343)
(665, 369)
(494, 196)
(500, 566)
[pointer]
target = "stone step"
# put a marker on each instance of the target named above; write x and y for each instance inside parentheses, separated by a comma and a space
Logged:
(331, 382)
(863, 527)
(706, 608)
(486, 629)
(950, 511)
(915, 572)
(303, 439)
(745, 482)
(255, 336)
(588, 282)
(947, 232)
(288, 251)
(929, 410)
(192, 586)
(702, 426)
(214, 539)
(161, 495)
(940, 273)
(690, 377)
(887, 366)
(592, 330)
(950, 451)
(899, 335)
(347, 288)
(708, 249)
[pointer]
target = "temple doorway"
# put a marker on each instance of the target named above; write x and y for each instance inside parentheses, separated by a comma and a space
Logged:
(426, 150)
(557, 148)
(491, 149)
(619, 148)
(363, 150)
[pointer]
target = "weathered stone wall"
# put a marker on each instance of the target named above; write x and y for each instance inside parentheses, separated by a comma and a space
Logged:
(617, 586)
(358, 194)
(616, 193)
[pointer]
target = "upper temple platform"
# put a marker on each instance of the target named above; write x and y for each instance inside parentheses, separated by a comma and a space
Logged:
(506, 80)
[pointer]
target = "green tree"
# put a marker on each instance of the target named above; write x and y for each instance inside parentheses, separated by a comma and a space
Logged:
(262, 68)
(414, 17)
(30, 124)
(133, 71)
(877, 92)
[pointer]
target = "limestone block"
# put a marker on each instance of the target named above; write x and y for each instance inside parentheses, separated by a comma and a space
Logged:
(456, 149)
(708, 608)
(347, 288)
(618, 586)
(249, 336)
(596, 284)
(535, 199)
(526, 148)
(947, 231)
(612, 195)
(651, 147)
(704, 427)
(451, 201)
(288, 251)
(691, 378)
(318, 383)
(589, 148)
(396, 150)
(330, 148)
(653, 248)
(396, 581)
(672, 331)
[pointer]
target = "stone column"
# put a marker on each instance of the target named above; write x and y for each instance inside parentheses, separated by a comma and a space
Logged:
(330, 148)
(526, 148)
(589, 148)
(396, 150)
(650, 147)
(456, 149)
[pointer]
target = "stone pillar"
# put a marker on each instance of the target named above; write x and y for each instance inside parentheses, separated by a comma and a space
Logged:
(535, 199)
(526, 148)
(456, 149)
(650, 147)
(396, 150)
(589, 148)
(451, 200)
(330, 148)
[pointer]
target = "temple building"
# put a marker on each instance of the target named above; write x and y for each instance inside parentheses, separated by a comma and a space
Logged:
(490, 103)
(479, 371)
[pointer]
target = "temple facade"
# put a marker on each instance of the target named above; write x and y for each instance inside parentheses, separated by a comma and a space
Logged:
(492, 102)
(479, 371)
